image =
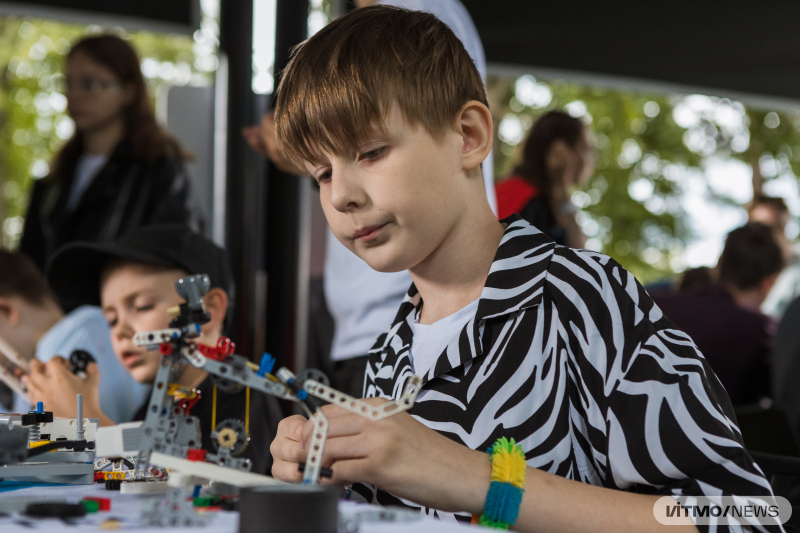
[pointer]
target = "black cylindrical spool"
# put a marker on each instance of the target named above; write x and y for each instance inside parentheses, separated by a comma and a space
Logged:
(288, 509)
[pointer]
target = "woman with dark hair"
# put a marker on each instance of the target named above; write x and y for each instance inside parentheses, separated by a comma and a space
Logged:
(557, 157)
(120, 170)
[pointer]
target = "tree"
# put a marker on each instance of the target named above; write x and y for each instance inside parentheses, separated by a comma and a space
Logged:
(631, 209)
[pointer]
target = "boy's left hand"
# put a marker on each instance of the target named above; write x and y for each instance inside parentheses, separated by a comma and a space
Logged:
(53, 384)
(404, 457)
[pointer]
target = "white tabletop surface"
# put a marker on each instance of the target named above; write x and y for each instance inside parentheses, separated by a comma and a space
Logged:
(126, 509)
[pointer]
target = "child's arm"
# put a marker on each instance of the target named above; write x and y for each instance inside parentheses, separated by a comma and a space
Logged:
(402, 456)
(53, 384)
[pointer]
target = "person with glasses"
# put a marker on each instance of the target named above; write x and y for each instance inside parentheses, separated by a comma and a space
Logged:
(120, 170)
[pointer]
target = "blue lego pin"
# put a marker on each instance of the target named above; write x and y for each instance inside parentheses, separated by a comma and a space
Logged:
(266, 366)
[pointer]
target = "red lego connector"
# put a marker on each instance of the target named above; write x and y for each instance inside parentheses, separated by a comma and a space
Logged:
(196, 454)
(224, 348)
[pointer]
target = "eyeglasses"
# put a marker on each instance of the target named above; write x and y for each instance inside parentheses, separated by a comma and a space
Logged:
(92, 86)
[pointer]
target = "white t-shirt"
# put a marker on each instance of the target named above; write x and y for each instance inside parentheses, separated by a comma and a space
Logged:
(430, 340)
(87, 169)
(362, 301)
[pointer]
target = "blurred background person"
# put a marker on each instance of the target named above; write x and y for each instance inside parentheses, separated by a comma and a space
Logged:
(773, 212)
(120, 170)
(33, 324)
(723, 319)
(557, 158)
(692, 278)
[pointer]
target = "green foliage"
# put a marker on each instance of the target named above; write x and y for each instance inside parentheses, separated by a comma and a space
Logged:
(33, 124)
(641, 150)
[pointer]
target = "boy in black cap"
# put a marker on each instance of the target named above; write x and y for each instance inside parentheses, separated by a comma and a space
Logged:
(133, 280)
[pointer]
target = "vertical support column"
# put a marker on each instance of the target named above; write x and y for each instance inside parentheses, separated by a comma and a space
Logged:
(283, 225)
(244, 201)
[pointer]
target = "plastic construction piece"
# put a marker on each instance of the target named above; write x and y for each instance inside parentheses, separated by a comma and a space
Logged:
(55, 510)
(172, 511)
(204, 501)
(197, 454)
(266, 366)
(212, 472)
(91, 506)
(231, 435)
(79, 360)
(223, 349)
(13, 444)
(103, 504)
(144, 487)
(112, 524)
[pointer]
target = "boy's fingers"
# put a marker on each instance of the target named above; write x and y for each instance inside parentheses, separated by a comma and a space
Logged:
(344, 448)
(286, 471)
(36, 366)
(346, 472)
(340, 426)
(287, 450)
(92, 373)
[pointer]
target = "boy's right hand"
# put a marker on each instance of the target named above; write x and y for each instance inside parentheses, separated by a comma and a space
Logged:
(287, 450)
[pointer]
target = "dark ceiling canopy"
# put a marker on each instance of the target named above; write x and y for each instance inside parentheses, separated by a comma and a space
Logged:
(730, 47)
(181, 16)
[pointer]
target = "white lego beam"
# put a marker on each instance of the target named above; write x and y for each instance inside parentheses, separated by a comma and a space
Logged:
(212, 472)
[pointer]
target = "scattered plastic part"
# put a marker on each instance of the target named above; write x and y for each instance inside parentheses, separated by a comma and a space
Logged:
(79, 361)
(55, 510)
(111, 524)
(196, 454)
(173, 510)
(266, 366)
(13, 444)
(323, 472)
(144, 487)
(17, 504)
(103, 504)
(223, 349)
(230, 434)
(91, 506)
(113, 484)
(40, 407)
(203, 501)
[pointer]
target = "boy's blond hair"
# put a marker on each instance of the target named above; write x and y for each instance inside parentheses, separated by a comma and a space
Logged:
(341, 82)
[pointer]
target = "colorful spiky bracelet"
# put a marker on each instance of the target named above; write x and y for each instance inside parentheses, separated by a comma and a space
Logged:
(505, 492)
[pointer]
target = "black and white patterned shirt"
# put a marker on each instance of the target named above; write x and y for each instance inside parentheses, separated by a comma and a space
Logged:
(568, 355)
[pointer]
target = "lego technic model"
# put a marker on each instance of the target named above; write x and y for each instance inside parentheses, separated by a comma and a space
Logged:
(35, 447)
(169, 436)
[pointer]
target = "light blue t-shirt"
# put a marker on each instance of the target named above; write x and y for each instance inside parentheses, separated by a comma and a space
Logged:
(86, 329)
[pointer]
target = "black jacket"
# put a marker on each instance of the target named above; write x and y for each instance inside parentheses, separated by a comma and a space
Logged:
(127, 193)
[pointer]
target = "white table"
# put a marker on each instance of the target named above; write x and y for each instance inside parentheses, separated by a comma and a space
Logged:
(126, 508)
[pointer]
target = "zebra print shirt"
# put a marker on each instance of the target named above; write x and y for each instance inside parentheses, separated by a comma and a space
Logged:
(568, 355)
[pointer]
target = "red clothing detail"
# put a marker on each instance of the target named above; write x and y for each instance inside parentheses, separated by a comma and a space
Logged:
(513, 195)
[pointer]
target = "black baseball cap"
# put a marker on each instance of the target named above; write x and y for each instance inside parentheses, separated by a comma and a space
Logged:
(74, 270)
